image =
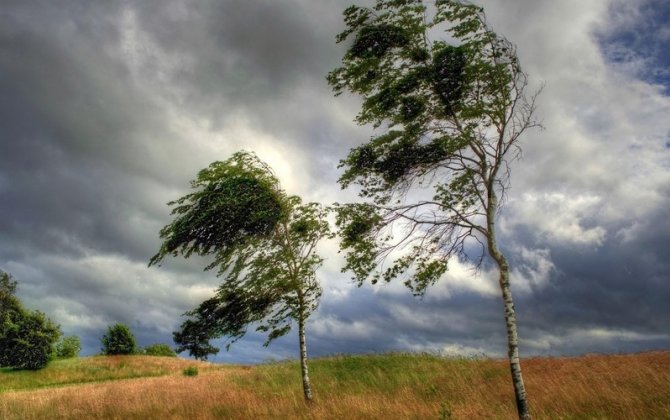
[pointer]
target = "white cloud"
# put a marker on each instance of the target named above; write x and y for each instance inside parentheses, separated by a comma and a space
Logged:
(557, 217)
(464, 277)
(602, 158)
(533, 271)
(337, 329)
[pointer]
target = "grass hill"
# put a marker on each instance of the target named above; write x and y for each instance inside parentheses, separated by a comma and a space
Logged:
(391, 386)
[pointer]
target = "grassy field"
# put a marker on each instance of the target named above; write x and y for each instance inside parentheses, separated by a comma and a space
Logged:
(392, 386)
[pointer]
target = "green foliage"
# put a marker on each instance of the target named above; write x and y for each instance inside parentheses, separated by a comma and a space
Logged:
(375, 41)
(118, 340)
(449, 115)
(190, 371)
(9, 304)
(7, 285)
(26, 337)
(263, 244)
(27, 340)
(355, 223)
(237, 201)
(68, 347)
(194, 335)
(159, 350)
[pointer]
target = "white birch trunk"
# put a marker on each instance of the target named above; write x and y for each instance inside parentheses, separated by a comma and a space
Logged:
(306, 385)
(510, 314)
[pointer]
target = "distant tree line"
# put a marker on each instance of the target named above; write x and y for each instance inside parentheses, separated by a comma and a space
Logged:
(119, 340)
(29, 340)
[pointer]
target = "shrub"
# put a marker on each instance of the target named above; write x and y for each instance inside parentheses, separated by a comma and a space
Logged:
(68, 347)
(26, 337)
(191, 371)
(118, 340)
(159, 350)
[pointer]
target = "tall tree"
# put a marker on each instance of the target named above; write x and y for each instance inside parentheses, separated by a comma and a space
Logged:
(449, 116)
(264, 246)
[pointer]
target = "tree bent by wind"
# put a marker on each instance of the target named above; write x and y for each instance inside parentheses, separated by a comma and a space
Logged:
(264, 246)
(449, 117)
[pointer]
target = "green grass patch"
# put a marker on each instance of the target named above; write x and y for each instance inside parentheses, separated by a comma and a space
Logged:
(359, 374)
(86, 370)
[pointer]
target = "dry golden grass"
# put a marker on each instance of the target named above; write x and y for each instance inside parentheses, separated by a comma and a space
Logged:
(395, 386)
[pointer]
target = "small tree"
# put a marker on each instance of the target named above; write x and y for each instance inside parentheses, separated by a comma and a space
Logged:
(7, 289)
(263, 243)
(68, 347)
(118, 340)
(450, 116)
(159, 350)
(26, 337)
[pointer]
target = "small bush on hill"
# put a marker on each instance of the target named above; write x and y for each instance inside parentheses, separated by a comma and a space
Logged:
(68, 347)
(118, 340)
(191, 371)
(159, 350)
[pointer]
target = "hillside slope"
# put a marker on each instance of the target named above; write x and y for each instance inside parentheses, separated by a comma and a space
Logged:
(378, 386)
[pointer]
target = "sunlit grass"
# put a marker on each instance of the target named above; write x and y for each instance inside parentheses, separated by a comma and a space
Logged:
(89, 369)
(392, 386)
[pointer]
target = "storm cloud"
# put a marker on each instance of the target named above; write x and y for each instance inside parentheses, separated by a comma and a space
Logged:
(110, 108)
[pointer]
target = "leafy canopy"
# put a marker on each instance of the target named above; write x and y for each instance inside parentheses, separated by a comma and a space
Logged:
(237, 201)
(448, 113)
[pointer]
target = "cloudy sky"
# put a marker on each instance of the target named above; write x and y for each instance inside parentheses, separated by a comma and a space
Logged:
(109, 108)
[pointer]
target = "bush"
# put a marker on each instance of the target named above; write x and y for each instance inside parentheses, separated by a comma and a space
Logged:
(159, 350)
(68, 347)
(26, 337)
(118, 340)
(191, 371)
(26, 340)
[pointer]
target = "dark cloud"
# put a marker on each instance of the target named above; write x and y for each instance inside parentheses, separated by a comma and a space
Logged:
(109, 108)
(608, 297)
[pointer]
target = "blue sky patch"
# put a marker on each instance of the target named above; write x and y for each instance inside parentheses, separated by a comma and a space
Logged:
(638, 40)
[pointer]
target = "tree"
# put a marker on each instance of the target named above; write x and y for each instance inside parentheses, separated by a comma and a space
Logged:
(159, 350)
(118, 340)
(449, 118)
(68, 347)
(26, 337)
(264, 246)
(9, 303)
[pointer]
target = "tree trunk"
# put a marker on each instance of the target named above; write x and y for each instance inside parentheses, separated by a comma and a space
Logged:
(306, 386)
(512, 339)
(510, 314)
